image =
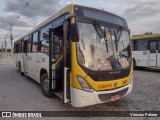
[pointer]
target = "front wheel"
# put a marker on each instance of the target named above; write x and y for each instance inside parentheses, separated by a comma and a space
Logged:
(45, 86)
(134, 64)
(20, 69)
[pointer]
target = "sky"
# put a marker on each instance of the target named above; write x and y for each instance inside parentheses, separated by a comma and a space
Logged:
(141, 15)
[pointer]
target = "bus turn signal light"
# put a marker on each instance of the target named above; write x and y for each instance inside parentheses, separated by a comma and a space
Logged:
(85, 86)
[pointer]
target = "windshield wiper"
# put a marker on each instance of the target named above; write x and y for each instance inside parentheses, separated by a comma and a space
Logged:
(98, 29)
(117, 37)
(100, 32)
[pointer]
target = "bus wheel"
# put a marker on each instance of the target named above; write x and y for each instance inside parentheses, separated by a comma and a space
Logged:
(134, 64)
(20, 69)
(45, 86)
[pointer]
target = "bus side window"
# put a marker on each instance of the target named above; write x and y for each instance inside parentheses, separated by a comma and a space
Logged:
(14, 47)
(35, 42)
(20, 46)
(142, 45)
(29, 48)
(17, 47)
(44, 39)
(25, 46)
(134, 45)
(158, 47)
(153, 47)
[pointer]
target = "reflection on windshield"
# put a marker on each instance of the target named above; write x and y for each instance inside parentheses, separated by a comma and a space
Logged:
(103, 54)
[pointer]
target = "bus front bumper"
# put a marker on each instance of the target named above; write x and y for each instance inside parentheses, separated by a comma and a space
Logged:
(81, 98)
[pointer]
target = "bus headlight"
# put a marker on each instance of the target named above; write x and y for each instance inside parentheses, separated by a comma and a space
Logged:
(85, 86)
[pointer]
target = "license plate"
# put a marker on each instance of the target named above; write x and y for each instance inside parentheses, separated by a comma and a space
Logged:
(115, 98)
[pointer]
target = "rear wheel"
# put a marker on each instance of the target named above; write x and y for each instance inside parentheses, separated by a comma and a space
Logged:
(134, 64)
(45, 86)
(20, 69)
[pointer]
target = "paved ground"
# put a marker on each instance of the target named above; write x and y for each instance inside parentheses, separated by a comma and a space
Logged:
(20, 93)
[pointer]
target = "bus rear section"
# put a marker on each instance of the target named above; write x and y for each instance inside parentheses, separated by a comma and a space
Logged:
(146, 51)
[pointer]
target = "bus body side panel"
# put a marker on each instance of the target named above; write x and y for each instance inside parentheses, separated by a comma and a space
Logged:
(33, 65)
(141, 58)
(36, 62)
(44, 63)
(19, 60)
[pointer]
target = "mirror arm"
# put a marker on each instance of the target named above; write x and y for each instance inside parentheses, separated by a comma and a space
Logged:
(69, 17)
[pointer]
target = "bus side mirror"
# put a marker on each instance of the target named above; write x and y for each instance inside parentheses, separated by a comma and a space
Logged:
(73, 33)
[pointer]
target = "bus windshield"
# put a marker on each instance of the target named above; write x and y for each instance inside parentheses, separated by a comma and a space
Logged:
(103, 54)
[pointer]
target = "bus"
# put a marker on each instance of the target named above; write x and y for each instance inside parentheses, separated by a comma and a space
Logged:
(80, 54)
(146, 51)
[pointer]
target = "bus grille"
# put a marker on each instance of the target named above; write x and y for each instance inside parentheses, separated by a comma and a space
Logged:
(109, 77)
(107, 97)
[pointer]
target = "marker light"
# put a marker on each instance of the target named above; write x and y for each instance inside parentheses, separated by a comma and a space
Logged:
(85, 86)
(131, 79)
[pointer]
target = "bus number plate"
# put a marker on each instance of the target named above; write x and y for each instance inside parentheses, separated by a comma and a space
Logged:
(115, 98)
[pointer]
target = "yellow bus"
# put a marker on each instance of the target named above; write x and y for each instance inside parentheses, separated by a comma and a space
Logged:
(79, 53)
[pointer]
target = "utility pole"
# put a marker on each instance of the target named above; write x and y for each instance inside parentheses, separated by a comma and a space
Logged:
(5, 42)
(1, 45)
(11, 38)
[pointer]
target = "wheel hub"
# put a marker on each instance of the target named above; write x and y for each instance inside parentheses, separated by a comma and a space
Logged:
(46, 85)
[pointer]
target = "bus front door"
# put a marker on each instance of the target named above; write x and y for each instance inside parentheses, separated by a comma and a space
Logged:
(67, 63)
(59, 81)
(56, 59)
(154, 54)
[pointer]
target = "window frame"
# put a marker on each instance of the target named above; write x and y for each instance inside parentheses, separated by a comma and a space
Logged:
(29, 44)
(155, 47)
(33, 42)
(40, 36)
(139, 45)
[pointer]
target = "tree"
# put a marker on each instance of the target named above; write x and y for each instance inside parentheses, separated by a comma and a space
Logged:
(148, 33)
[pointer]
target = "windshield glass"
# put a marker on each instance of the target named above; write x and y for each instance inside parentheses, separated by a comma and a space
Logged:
(109, 53)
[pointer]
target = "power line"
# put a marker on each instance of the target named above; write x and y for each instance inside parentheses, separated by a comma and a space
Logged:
(60, 2)
(11, 38)
(79, 1)
(33, 24)
(41, 19)
(27, 3)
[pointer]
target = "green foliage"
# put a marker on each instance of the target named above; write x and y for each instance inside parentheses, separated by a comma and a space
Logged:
(148, 33)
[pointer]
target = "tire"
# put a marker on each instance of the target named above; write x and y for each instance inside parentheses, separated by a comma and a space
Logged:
(45, 86)
(134, 64)
(20, 70)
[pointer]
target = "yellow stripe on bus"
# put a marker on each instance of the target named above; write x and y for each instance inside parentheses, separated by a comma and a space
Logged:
(144, 36)
(158, 68)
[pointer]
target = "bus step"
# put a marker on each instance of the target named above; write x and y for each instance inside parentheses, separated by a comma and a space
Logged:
(59, 94)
